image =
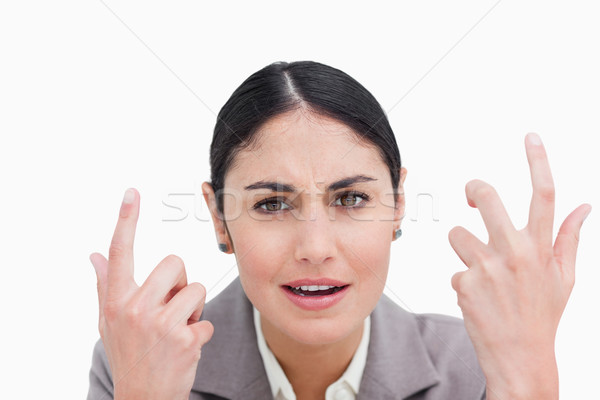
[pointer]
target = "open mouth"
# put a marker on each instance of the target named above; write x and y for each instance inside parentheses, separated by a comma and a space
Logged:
(315, 290)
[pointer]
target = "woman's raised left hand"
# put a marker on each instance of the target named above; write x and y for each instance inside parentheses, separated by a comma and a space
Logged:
(517, 285)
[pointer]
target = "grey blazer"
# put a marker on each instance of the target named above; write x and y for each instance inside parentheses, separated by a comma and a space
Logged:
(410, 356)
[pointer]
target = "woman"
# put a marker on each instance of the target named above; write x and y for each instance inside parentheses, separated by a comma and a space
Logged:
(306, 191)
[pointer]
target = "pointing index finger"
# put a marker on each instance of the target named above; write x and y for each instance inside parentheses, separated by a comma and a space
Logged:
(120, 254)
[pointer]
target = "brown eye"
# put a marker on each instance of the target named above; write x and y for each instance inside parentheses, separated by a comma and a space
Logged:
(271, 205)
(348, 200)
(351, 199)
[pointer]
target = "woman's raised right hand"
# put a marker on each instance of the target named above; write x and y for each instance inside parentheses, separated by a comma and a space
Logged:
(151, 334)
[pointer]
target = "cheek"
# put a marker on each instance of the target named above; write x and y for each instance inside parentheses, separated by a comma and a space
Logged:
(260, 255)
(371, 255)
(256, 279)
(258, 264)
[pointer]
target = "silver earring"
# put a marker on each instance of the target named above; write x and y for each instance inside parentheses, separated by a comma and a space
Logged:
(223, 247)
(397, 233)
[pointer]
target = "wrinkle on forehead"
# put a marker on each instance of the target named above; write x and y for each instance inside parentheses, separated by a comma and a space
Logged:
(282, 123)
(297, 129)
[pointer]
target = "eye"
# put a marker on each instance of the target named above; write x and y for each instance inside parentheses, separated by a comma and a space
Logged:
(351, 199)
(270, 205)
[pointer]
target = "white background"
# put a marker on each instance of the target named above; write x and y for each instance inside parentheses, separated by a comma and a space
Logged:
(96, 97)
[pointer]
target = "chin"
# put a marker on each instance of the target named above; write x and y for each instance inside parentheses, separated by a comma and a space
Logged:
(319, 331)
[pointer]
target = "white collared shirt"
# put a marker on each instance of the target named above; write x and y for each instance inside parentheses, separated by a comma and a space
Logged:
(345, 388)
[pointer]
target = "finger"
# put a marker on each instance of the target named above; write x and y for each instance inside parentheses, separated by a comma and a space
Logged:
(541, 209)
(187, 305)
(456, 282)
(567, 240)
(168, 278)
(100, 265)
(497, 222)
(203, 330)
(468, 248)
(120, 255)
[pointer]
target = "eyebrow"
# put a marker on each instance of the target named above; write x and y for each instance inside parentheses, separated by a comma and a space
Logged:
(283, 187)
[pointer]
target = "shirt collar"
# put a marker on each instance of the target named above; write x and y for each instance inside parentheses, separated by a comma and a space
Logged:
(354, 372)
(279, 381)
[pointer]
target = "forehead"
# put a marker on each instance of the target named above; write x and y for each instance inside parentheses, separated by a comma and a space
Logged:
(302, 148)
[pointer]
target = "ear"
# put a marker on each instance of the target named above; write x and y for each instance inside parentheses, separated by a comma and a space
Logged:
(400, 200)
(218, 220)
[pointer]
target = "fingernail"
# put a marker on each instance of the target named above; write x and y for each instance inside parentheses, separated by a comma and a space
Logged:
(129, 196)
(534, 138)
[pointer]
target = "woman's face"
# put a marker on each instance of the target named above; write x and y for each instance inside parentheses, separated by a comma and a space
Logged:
(312, 236)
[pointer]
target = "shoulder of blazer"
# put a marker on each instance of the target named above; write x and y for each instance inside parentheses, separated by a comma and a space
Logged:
(419, 356)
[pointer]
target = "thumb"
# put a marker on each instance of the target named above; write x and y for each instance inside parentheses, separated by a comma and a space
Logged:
(567, 240)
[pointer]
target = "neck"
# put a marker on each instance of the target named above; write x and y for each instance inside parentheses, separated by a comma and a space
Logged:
(311, 368)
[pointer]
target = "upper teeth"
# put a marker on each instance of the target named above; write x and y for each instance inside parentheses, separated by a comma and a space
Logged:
(313, 288)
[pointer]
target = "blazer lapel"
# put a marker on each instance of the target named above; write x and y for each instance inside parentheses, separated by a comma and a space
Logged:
(398, 364)
(231, 366)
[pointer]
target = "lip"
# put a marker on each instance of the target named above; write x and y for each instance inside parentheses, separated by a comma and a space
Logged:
(313, 282)
(315, 303)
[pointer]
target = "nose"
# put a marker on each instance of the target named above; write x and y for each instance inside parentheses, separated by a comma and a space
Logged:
(315, 237)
